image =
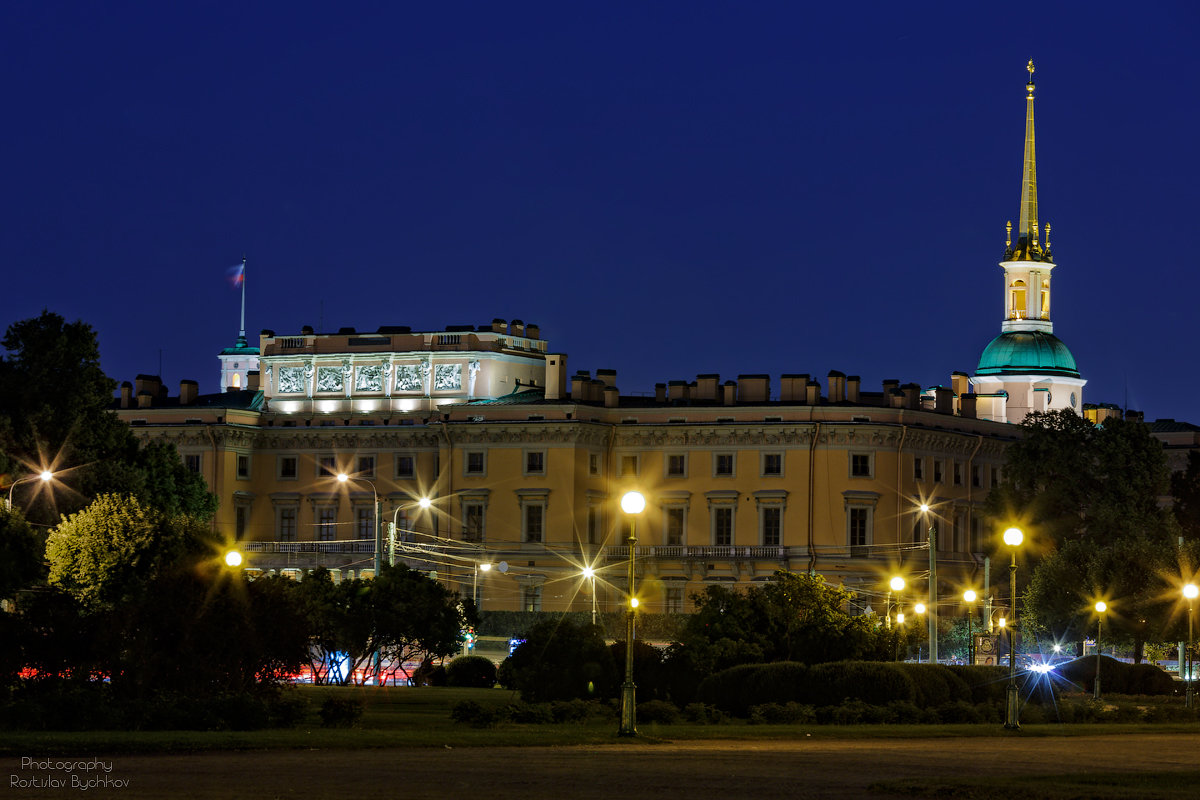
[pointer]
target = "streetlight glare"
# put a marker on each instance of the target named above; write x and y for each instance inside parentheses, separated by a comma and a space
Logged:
(919, 608)
(924, 508)
(1190, 591)
(900, 618)
(1002, 622)
(633, 602)
(46, 476)
(588, 572)
(233, 559)
(1101, 606)
(342, 477)
(1013, 537)
(424, 502)
(633, 503)
(897, 584)
(484, 567)
(969, 595)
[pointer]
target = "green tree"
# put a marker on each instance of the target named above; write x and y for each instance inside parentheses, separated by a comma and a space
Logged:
(107, 553)
(561, 660)
(20, 553)
(56, 413)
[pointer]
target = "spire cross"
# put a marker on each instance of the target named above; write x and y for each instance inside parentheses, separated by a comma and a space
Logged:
(1029, 67)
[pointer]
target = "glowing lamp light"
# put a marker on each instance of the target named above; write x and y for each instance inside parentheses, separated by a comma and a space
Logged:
(1101, 606)
(1013, 537)
(919, 608)
(970, 596)
(1058, 648)
(1002, 622)
(900, 618)
(342, 477)
(233, 559)
(633, 602)
(424, 502)
(897, 584)
(588, 572)
(1190, 591)
(47, 475)
(484, 567)
(924, 508)
(633, 503)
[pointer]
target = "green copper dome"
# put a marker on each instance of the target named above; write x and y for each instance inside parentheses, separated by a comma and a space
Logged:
(1025, 353)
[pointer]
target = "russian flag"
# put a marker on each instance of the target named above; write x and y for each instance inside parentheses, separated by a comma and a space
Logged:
(237, 274)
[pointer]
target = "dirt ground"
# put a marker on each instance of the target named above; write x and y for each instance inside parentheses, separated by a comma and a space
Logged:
(808, 768)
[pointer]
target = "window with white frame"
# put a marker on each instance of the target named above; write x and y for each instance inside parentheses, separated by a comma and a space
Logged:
(286, 522)
(243, 466)
(366, 467)
(770, 525)
(193, 461)
(772, 465)
(860, 519)
(629, 465)
(364, 522)
(723, 465)
(675, 525)
(326, 466)
(531, 598)
(862, 465)
(475, 463)
(676, 465)
(722, 525)
(326, 523)
(535, 462)
(288, 468)
(533, 514)
(473, 517)
(406, 465)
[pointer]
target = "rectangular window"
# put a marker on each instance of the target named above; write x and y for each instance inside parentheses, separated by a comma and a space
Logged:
(723, 465)
(406, 466)
(975, 477)
(326, 523)
(675, 524)
(193, 462)
(937, 470)
(240, 515)
(475, 463)
(860, 465)
(243, 466)
(535, 462)
(772, 464)
(285, 528)
(364, 522)
(473, 522)
(676, 465)
(593, 524)
(366, 467)
(593, 463)
(859, 529)
(288, 467)
(771, 519)
(531, 598)
(629, 465)
(326, 466)
(722, 525)
(674, 600)
(958, 473)
(534, 518)
(918, 468)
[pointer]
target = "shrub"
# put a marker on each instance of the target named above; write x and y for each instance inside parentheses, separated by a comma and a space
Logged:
(288, 709)
(985, 684)
(560, 661)
(873, 682)
(935, 684)
(738, 688)
(429, 674)
(958, 712)
(475, 714)
(658, 711)
(785, 714)
(574, 710)
(340, 712)
(473, 671)
(1117, 676)
(531, 713)
(703, 714)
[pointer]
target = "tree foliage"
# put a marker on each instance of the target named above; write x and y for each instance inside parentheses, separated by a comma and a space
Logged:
(1088, 498)
(402, 614)
(561, 660)
(55, 414)
(20, 553)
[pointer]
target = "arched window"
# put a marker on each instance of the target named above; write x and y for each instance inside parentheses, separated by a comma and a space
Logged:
(1016, 306)
(237, 381)
(1046, 298)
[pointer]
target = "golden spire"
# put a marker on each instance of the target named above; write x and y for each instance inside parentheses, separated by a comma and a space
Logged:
(1027, 229)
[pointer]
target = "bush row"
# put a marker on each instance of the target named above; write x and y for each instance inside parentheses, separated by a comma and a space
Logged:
(1116, 676)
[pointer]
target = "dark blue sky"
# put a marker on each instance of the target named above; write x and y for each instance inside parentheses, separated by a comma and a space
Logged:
(666, 188)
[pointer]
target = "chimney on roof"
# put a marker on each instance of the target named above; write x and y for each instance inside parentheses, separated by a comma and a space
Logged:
(556, 376)
(966, 405)
(852, 386)
(253, 380)
(188, 391)
(729, 392)
(677, 391)
(791, 387)
(579, 383)
(912, 396)
(812, 393)
(837, 386)
(943, 400)
(517, 328)
(960, 383)
(895, 395)
(499, 326)
(609, 376)
(660, 393)
(145, 400)
(533, 331)
(754, 388)
(612, 397)
(126, 394)
(595, 390)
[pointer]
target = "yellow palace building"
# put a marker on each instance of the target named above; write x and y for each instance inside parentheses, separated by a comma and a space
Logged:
(480, 456)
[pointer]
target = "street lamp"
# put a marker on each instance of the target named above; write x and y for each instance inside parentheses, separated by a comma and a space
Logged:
(1012, 708)
(1190, 591)
(919, 608)
(933, 616)
(590, 574)
(896, 584)
(1101, 607)
(233, 559)
(344, 478)
(44, 476)
(632, 503)
(969, 596)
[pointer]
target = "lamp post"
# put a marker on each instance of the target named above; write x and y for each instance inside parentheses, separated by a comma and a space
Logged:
(919, 608)
(590, 574)
(1012, 708)
(233, 559)
(1190, 591)
(44, 476)
(969, 596)
(1101, 607)
(632, 503)
(933, 616)
(344, 478)
(896, 584)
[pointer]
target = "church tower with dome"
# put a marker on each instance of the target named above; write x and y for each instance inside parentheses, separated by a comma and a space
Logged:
(1027, 368)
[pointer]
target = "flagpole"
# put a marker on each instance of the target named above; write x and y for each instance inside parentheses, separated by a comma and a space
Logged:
(242, 330)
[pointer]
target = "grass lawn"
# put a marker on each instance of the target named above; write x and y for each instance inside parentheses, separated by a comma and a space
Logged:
(1071, 786)
(420, 717)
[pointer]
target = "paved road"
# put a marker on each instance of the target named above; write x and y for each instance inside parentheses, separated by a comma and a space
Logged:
(809, 768)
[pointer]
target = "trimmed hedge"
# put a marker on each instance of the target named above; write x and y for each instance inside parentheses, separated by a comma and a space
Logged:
(475, 671)
(1117, 676)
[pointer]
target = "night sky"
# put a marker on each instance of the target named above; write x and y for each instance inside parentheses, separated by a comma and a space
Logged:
(666, 188)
